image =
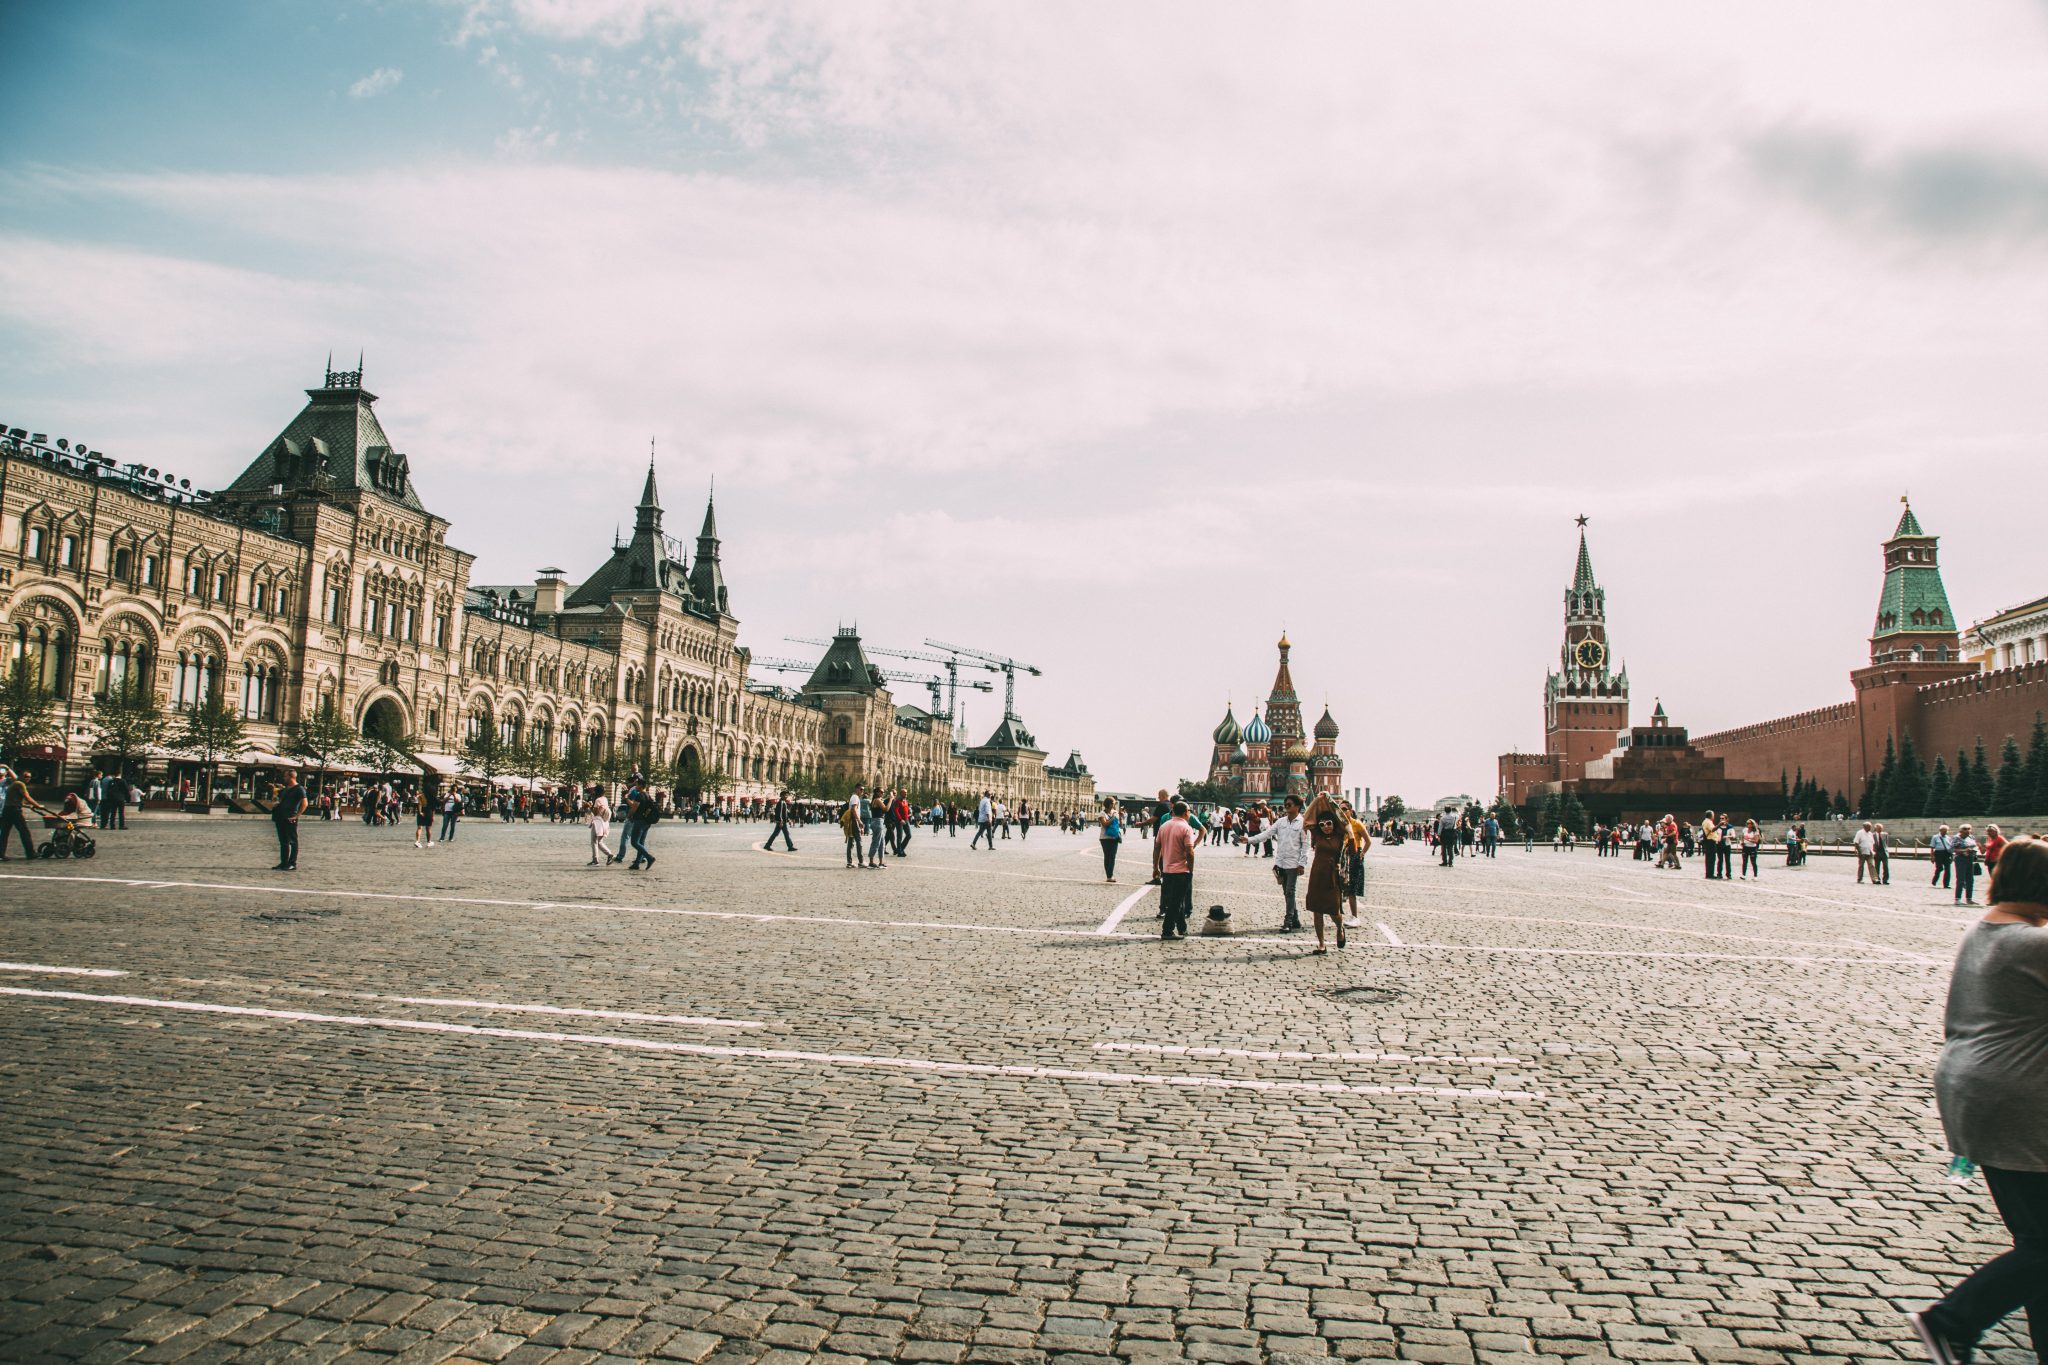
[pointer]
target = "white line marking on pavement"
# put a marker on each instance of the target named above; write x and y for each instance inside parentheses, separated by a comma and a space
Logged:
(1263, 1055)
(1123, 908)
(634, 1015)
(1387, 932)
(58, 971)
(847, 1059)
(1902, 952)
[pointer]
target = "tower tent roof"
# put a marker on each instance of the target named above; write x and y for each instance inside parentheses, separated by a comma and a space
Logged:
(1283, 681)
(1909, 525)
(337, 442)
(1582, 579)
(845, 668)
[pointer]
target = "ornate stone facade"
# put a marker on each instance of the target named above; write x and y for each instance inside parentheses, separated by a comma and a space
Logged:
(317, 573)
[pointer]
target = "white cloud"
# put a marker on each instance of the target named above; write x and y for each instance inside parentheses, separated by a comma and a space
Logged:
(376, 83)
(1045, 290)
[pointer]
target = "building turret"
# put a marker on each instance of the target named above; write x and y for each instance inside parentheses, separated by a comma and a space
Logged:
(1258, 740)
(1326, 769)
(707, 584)
(1223, 738)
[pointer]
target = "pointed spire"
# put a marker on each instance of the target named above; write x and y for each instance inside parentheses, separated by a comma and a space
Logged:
(710, 531)
(1909, 525)
(1582, 581)
(649, 497)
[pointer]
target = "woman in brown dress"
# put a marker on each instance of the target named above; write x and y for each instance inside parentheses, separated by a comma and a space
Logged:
(1326, 835)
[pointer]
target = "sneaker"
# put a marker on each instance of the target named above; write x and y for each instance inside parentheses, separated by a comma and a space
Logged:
(1351, 923)
(1940, 1349)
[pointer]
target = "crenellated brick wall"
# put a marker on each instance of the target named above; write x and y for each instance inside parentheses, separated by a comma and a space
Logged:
(1822, 743)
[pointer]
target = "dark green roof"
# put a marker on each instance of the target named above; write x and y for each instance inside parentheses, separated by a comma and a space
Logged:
(1582, 581)
(335, 442)
(845, 668)
(1011, 734)
(1914, 602)
(1909, 525)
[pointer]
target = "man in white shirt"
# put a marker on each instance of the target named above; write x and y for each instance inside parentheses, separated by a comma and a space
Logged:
(1290, 851)
(984, 823)
(1866, 844)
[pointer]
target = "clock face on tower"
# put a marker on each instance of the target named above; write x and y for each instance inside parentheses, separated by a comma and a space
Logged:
(1590, 654)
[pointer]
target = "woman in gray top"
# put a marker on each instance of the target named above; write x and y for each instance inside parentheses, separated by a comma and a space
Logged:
(1992, 1085)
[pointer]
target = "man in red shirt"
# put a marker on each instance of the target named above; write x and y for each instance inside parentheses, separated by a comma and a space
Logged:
(1175, 847)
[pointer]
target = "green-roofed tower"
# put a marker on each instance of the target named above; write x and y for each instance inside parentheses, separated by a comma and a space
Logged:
(1914, 619)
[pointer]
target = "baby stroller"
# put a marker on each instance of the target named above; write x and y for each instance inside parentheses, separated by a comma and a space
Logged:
(69, 841)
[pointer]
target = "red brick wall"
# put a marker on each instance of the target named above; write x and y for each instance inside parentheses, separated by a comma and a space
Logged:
(1825, 744)
(1954, 715)
(1519, 772)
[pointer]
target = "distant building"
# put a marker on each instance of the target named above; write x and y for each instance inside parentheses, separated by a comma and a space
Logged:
(2016, 636)
(317, 577)
(1271, 757)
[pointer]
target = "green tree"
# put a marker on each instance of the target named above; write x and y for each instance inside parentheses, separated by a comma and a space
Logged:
(1962, 797)
(2037, 767)
(1801, 796)
(1392, 809)
(1877, 791)
(1907, 795)
(213, 730)
(2011, 795)
(27, 712)
(1510, 822)
(127, 721)
(536, 760)
(1841, 802)
(485, 753)
(1571, 814)
(325, 737)
(1939, 794)
(1549, 815)
(1204, 793)
(575, 765)
(1983, 790)
(713, 781)
(1784, 790)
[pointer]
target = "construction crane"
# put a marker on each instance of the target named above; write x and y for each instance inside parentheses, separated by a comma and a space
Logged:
(894, 674)
(949, 662)
(1009, 668)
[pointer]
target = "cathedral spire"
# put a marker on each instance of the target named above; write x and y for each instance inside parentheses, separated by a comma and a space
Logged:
(707, 583)
(1582, 581)
(647, 516)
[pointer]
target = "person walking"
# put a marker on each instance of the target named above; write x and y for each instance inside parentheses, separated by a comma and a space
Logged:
(1175, 841)
(15, 804)
(1752, 844)
(1112, 838)
(877, 813)
(290, 805)
(781, 825)
(1938, 853)
(850, 825)
(1992, 1089)
(1288, 840)
(1357, 840)
(905, 821)
(1327, 837)
(639, 812)
(1865, 842)
(1710, 846)
(1447, 838)
(599, 815)
(423, 820)
(1880, 857)
(451, 811)
(1964, 848)
(984, 823)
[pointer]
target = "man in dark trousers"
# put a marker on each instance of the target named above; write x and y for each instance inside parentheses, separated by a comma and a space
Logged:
(291, 804)
(781, 824)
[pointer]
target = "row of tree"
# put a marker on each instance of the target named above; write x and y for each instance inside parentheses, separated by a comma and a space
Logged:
(1905, 787)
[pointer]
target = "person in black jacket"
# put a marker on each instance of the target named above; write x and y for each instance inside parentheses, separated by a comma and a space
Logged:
(291, 804)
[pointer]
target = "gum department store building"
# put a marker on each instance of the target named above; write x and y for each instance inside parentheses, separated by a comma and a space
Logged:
(318, 574)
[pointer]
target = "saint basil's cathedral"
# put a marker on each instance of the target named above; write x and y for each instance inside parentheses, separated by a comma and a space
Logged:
(1271, 756)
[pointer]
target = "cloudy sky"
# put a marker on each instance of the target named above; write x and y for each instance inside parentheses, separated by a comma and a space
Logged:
(1112, 337)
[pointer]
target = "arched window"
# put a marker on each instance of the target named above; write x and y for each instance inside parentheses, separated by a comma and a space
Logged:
(123, 666)
(198, 677)
(46, 651)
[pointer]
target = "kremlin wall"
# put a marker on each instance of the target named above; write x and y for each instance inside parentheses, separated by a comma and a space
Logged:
(1919, 683)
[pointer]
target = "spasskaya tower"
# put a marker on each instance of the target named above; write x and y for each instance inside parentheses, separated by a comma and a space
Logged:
(1585, 703)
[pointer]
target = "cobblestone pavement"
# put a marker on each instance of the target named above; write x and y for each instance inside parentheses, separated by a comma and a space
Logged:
(486, 1103)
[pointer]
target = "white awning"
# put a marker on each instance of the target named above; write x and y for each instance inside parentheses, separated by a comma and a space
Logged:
(447, 765)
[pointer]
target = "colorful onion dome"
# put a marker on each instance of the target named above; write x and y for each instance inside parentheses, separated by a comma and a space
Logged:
(1299, 752)
(1239, 756)
(1228, 732)
(1258, 732)
(1326, 728)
